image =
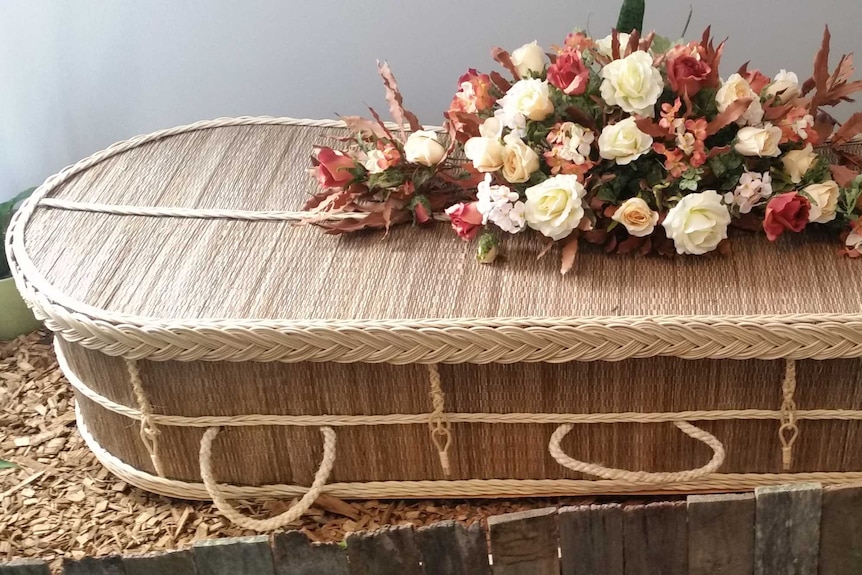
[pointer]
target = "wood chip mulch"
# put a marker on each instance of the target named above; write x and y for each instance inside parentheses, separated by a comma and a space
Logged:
(60, 502)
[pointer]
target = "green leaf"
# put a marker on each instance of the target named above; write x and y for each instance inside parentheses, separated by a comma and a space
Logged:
(422, 177)
(387, 179)
(660, 44)
(631, 16)
(6, 464)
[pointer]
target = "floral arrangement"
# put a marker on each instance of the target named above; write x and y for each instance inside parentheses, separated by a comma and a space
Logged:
(631, 142)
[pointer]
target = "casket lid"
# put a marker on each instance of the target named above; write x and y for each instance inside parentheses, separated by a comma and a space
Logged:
(187, 287)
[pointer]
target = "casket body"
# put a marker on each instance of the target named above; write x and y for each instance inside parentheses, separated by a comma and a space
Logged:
(185, 296)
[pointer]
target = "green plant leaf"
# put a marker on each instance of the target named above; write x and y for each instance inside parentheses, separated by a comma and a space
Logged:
(7, 464)
(631, 16)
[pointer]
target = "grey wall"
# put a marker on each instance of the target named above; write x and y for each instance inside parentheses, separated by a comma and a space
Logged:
(78, 75)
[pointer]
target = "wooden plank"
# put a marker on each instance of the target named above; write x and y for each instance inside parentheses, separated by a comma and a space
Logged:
(448, 548)
(721, 534)
(294, 554)
(110, 565)
(165, 563)
(24, 567)
(234, 556)
(591, 540)
(787, 533)
(525, 543)
(655, 539)
(841, 531)
(387, 551)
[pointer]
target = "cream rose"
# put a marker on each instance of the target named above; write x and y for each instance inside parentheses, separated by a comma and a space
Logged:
(556, 206)
(519, 160)
(373, 161)
(698, 223)
(633, 84)
(785, 86)
(623, 142)
(528, 98)
(605, 45)
(528, 58)
(485, 153)
(636, 215)
(492, 128)
(824, 202)
(798, 162)
(736, 88)
(760, 142)
(423, 148)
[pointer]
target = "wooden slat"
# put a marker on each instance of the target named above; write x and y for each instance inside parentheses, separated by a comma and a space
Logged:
(110, 565)
(841, 531)
(525, 543)
(448, 548)
(655, 539)
(294, 554)
(591, 540)
(388, 551)
(234, 556)
(787, 533)
(721, 534)
(169, 563)
(24, 567)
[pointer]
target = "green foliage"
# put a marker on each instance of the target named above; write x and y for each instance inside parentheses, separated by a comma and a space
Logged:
(817, 173)
(660, 44)
(422, 176)
(631, 16)
(691, 179)
(726, 168)
(848, 202)
(6, 464)
(6, 210)
(390, 178)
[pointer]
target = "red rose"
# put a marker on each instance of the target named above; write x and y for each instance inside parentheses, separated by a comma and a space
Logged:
(569, 74)
(786, 212)
(686, 69)
(333, 169)
(465, 219)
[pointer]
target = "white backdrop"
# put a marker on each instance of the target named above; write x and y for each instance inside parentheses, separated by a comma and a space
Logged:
(77, 75)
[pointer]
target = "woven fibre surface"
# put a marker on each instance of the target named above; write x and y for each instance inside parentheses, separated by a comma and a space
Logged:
(273, 454)
(192, 269)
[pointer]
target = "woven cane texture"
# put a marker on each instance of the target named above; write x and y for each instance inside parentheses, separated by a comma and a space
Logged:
(211, 286)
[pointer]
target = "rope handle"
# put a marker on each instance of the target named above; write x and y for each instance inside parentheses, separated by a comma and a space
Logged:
(279, 521)
(641, 476)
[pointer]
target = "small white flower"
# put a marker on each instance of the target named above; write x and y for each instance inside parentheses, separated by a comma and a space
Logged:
(752, 189)
(501, 206)
(575, 142)
(467, 96)
(374, 160)
(698, 223)
(802, 125)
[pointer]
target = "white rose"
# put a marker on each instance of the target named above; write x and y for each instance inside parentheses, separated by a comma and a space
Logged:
(485, 153)
(372, 163)
(736, 88)
(492, 128)
(798, 162)
(529, 98)
(623, 142)
(528, 58)
(636, 215)
(854, 240)
(555, 207)
(519, 160)
(633, 84)
(824, 201)
(698, 223)
(423, 148)
(785, 86)
(605, 45)
(760, 142)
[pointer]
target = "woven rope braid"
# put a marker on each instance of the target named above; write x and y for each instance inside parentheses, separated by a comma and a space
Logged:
(149, 432)
(262, 525)
(449, 489)
(788, 432)
(465, 340)
(441, 428)
(641, 476)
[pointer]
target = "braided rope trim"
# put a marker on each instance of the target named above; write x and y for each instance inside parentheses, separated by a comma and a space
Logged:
(447, 489)
(465, 340)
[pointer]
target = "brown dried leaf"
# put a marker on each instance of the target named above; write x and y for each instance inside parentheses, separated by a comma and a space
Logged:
(634, 42)
(570, 253)
(648, 126)
(502, 57)
(630, 244)
(731, 114)
(843, 175)
(393, 96)
(848, 130)
(823, 125)
(545, 249)
(380, 123)
(820, 78)
(366, 127)
(502, 84)
(580, 117)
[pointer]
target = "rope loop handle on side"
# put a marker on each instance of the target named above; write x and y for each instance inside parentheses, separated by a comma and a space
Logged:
(641, 476)
(279, 521)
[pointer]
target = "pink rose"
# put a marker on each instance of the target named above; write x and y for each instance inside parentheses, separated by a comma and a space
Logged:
(421, 213)
(465, 219)
(786, 212)
(569, 74)
(333, 169)
(687, 72)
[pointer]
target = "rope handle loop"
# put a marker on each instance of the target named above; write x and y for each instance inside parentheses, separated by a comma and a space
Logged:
(279, 521)
(641, 476)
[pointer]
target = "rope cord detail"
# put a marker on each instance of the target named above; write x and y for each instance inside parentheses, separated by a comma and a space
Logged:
(788, 432)
(149, 432)
(438, 423)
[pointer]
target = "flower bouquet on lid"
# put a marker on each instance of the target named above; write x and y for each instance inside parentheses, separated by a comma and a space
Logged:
(631, 142)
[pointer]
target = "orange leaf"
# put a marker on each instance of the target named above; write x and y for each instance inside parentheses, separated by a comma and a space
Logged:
(396, 101)
(570, 252)
(843, 175)
(849, 130)
(731, 114)
(364, 126)
(647, 126)
(821, 71)
(502, 56)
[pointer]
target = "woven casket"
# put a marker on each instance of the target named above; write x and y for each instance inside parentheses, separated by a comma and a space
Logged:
(220, 349)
